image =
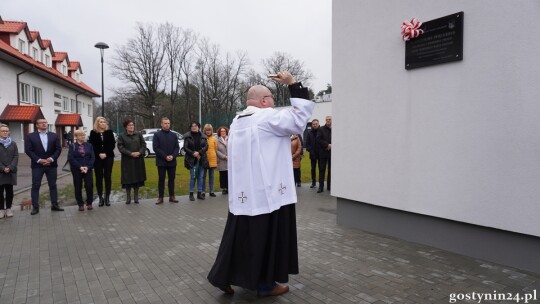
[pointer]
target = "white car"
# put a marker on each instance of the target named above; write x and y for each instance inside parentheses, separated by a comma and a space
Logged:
(150, 148)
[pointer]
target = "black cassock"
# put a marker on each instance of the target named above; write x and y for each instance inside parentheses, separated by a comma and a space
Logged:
(257, 250)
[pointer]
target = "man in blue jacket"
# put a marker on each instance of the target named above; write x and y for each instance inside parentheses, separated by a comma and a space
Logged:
(166, 147)
(43, 148)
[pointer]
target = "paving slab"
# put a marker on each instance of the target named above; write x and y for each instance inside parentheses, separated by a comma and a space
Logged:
(162, 254)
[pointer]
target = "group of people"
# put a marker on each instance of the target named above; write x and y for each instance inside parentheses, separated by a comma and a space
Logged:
(204, 154)
(319, 146)
(259, 247)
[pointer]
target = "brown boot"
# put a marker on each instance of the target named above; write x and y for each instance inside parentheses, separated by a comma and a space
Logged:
(159, 201)
(173, 199)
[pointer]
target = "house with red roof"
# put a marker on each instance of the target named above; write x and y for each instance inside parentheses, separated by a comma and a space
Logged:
(38, 82)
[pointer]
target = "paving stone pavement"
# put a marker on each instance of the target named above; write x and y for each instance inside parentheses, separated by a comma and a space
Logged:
(162, 254)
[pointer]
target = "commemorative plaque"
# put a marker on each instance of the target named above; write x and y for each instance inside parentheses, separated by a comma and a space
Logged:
(441, 42)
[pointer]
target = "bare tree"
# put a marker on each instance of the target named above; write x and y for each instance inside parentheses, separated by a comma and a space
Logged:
(141, 62)
(178, 43)
(284, 62)
(221, 79)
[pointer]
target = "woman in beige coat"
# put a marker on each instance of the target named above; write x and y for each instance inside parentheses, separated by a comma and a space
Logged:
(296, 150)
(223, 134)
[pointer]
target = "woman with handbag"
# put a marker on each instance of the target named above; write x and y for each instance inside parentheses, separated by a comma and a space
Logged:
(195, 160)
(131, 145)
(81, 158)
(102, 139)
(9, 158)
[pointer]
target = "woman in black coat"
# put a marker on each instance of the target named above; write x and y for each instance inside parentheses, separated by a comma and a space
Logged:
(103, 142)
(9, 158)
(195, 145)
(131, 145)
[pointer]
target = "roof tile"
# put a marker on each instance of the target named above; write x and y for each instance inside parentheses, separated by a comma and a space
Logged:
(69, 120)
(21, 113)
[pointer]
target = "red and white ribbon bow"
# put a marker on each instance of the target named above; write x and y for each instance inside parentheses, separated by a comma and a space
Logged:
(411, 29)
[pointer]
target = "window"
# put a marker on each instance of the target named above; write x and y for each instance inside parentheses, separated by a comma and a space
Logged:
(24, 92)
(79, 107)
(22, 46)
(56, 95)
(35, 54)
(66, 104)
(36, 94)
(64, 70)
(89, 110)
(47, 60)
(73, 106)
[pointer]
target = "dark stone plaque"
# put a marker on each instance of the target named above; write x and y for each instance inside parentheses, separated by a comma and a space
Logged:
(441, 42)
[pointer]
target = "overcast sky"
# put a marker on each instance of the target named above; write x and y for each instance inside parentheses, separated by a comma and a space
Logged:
(301, 28)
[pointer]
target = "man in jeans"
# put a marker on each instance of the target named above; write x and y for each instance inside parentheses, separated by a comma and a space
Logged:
(165, 144)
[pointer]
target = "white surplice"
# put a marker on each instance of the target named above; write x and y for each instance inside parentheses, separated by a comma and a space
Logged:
(260, 163)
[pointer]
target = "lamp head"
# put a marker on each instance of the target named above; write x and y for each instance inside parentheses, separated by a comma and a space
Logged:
(101, 45)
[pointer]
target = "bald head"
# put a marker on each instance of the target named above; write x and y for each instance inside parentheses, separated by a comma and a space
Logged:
(260, 96)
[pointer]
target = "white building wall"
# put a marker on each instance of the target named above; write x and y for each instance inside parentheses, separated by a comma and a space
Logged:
(8, 95)
(8, 84)
(321, 110)
(459, 141)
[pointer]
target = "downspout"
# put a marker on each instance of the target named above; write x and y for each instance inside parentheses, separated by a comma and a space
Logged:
(19, 87)
(77, 101)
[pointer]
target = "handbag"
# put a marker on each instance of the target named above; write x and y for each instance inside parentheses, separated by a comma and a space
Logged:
(67, 166)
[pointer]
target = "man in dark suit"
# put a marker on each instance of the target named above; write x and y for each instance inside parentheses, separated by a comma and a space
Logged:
(43, 148)
(313, 149)
(324, 140)
(165, 144)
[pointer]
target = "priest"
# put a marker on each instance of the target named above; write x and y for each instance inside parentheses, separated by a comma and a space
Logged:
(259, 249)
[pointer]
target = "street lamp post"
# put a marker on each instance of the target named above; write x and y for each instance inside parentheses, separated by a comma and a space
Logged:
(102, 46)
(199, 66)
(200, 103)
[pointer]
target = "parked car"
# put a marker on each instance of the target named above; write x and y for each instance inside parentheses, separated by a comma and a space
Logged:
(150, 148)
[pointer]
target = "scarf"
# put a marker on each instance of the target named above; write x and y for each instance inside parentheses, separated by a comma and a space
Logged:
(224, 141)
(6, 142)
(81, 150)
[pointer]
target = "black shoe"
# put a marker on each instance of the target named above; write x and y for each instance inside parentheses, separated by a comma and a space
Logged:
(101, 201)
(107, 200)
(191, 197)
(34, 211)
(200, 196)
(320, 190)
(212, 194)
(298, 185)
(56, 208)
(136, 202)
(312, 186)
